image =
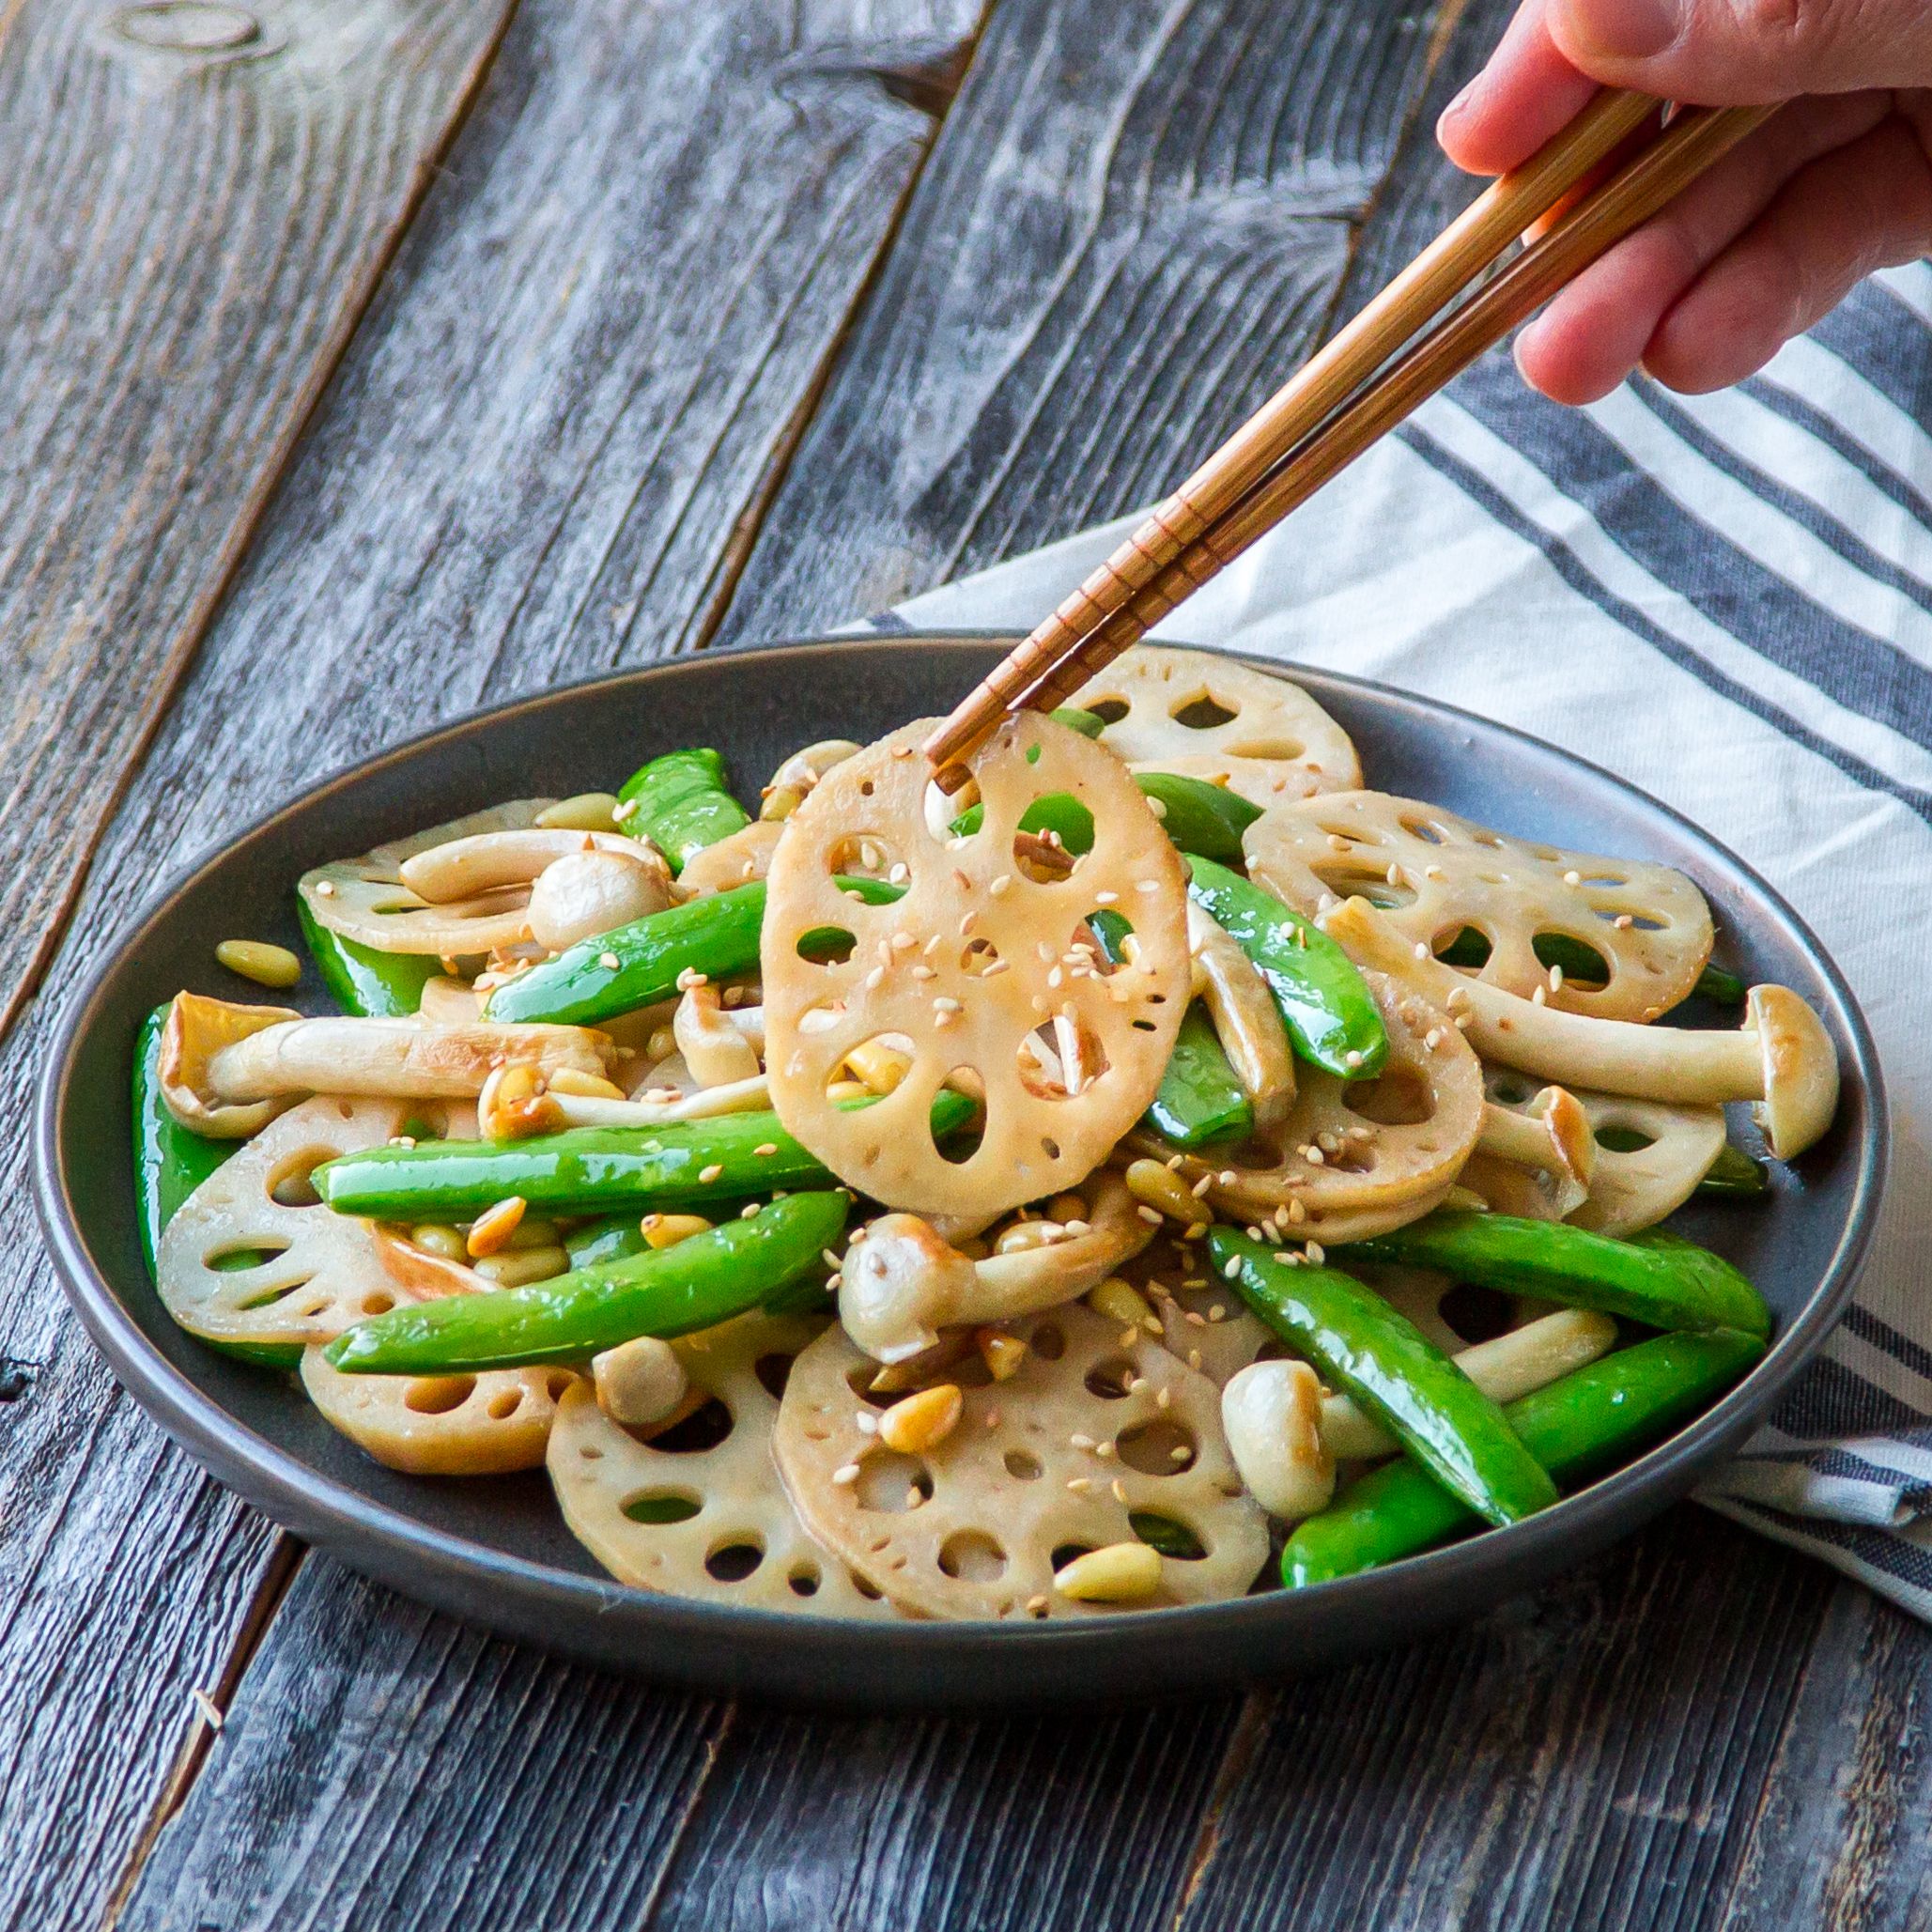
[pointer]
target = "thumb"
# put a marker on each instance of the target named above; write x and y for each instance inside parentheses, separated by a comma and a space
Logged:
(1732, 52)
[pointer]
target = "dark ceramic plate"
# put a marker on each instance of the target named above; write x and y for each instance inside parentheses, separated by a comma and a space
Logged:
(496, 1552)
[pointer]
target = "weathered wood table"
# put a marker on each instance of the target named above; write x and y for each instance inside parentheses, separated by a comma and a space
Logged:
(365, 361)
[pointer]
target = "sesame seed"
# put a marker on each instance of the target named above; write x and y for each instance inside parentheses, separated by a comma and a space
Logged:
(610, 962)
(1103, 1450)
(924, 972)
(1352, 1059)
(692, 977)
(1079, 1484)
(1623, 922)
(1315, 1252)
(845, 1474)
(946, 1004)
(766, 1149)
(325, 888)
(1120, 1490)
(904, 942)
(873, 977)
(1163, 1397)
(1036, 1606)
(1147, 885)
(707, 1175)
(1555, 978)
(1000, 885)
(829, 1258)
(900, 874)
(1572, 878)
(1194, 1360)
(1080, 1441)
(1150, 1215)
(1231, 1267)
(1539, 996)
(866, 1422)
(1107, 898)
(1179, 1453)
(748, 1211)
(1421, 950)
(1193, 1319)
(1217, 1313)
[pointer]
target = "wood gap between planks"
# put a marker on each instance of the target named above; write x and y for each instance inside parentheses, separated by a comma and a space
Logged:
(226, 564)
(284, 1559)
(1251, 1724)
(933, 95)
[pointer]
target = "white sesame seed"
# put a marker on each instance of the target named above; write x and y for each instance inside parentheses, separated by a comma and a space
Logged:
(766, 1149)
(707, 1175)
(866, 1422)
(999, 884)
(610, 962)
(1572, 878)
(1107, 898)
(1231, 1266)
(845, 1474)
(325, 888)
(692, 977)
(873, 977)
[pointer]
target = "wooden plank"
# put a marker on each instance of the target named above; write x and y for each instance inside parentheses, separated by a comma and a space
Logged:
(197, 204)
(384, 1765)
(1591, 1756)
(583, 370)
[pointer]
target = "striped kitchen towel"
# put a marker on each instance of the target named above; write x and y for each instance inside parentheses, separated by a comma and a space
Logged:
(1741, 585)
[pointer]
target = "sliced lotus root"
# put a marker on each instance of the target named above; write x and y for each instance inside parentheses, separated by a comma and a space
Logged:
(1650, 1156)
(1211, 717)
(1212, 1330)
(694, 1513)
(364, 899)
(975, 1525)
(254, 1257)
(1436, 876)
(1357, 1157)
(985, 972)
(488, 1424)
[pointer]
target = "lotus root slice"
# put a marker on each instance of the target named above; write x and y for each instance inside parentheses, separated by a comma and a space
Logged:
(975, 1525)
(364, 899)
(986, 972)
(693, 1513)
(254, 1257)
(1357, 1158)
(1217, 720)
(1434, 875)
(488, 1424)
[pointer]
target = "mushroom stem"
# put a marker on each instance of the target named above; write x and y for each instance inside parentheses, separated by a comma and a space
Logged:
(1553, 1135)
(397, 1059)
(488, 861)
(1782, 1057)
(720, 1048)
(707, 1103)
(1245, 1017)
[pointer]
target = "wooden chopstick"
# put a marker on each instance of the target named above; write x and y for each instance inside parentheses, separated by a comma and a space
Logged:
(1190, 536)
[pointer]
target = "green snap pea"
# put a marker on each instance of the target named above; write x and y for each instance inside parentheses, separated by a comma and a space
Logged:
(1325, 1004)
(638, 964)
(1380, 1357)
(362, 980)
(1200, 1100)
(668, 1291)
(1734, 1175)
(690, 1163)
(681, 803)
(1593, 1416)
(170, 1162)
(609, 1238)
(1654, 1277)
(1085, 722)
(1196, 816)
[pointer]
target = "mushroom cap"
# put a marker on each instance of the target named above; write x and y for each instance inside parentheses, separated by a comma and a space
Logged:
(196, 1031)
(1271, 1414)
(901, 1284)
(587, 892)
(1801, 1069)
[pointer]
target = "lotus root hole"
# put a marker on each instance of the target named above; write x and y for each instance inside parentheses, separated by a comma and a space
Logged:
(773, 1371)
(1398, 1098)
(803, 1580)
(377, 1304)
(734, 1560)
(1061, 1059)
(656, 1505)
(867, 856)
(974, 1555)
(1161, 1446)
(436, 1395)
(291, 1187)
(1553, 948)
(505, 1405)
(703, 1429)
(827, 945)
(1109, 1378)
(891, 1484)
(1048, 1342)
(1202, 714)
(1023, 1466)
(236, 1260)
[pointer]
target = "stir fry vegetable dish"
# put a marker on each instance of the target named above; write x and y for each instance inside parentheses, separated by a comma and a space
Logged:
(1160, 1170)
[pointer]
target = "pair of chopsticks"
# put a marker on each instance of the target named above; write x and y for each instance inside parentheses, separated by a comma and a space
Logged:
(1350, 392)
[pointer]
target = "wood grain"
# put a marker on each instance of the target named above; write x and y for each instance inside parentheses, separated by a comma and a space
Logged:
(578, 378)
(197, 202)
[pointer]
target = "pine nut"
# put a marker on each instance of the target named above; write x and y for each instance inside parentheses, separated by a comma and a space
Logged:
(1001, 1353)
(639, 1381)
(494, 1227)
(587, 811)
(585, 1086)
(923, 1419)
(1160, 1188)
(519, 1269)
(879, 1066)
(666, 1230)
(1120, 1573)
(434, 1238)
(1120, 1301)
(255, 959)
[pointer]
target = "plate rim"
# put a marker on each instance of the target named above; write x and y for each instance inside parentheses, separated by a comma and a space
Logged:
(343, 1518)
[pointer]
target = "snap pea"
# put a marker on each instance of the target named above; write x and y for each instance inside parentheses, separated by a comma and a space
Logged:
(1085, 722)
(1325, 1004)
(1594, 1416)
(1734, 1175)
(1380, 1357)
(610, 1238)
(680, 803)
(1654, 1277)
(170, 1162)
(1199, 1100)
(715, 935)
(668, 1291)
(588, 1169)
(1583, 962)
(1198, 817)
(362, 980)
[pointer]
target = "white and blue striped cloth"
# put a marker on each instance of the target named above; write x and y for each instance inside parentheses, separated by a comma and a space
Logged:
(1728, 601)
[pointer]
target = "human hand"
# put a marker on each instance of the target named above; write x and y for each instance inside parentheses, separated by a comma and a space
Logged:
(1835, 185)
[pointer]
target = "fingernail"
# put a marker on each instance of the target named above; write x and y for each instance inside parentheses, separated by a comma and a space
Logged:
(1625, 29)
(1460, 105)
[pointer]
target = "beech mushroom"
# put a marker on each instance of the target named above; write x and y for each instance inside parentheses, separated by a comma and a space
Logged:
(221, 1064)
(1271, 1414)
(1552, 1134)
(1246, 1020)
(720, 1046)
(1781, 1057)
(902, 1282)
(492, 861)
(585, 893)
(733, 861)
